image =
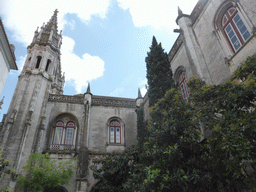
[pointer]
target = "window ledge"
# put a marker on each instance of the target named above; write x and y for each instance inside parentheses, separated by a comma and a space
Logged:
(115, 144)
(227, 60)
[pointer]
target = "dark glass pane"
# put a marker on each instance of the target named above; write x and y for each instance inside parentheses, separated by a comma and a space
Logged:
(231, 34)
(237, 45)
(236, 18)
(243, 30)
(228, 28)
(234, 39)
(246, 35)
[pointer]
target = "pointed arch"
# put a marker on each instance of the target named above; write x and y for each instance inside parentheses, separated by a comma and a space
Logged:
(39, 58)
(180, 78)
(115, 131)
(232, 25)
(47, 65)
(63, 132)
(56, 189)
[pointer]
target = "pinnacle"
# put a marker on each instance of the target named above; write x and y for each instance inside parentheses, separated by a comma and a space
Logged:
(179, 11)
(139, 93)
(88, 89)
(55, 12)
(52, 23)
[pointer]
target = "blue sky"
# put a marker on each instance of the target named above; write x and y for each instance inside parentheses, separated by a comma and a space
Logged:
(105, 42)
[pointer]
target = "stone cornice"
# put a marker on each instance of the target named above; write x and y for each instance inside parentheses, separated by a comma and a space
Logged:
(66, 99)
(175, 47)
(113, 101)
(96, 100)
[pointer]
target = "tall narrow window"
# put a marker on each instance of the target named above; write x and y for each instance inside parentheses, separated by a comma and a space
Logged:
(70, 133)
(183, 87)
(234, 29)
(38, 61)
(47, 64)
(58, 133)
(115, 132)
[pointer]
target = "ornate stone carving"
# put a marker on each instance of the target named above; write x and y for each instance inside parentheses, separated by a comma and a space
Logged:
(96, 100)
(113, 101)
(66, 99)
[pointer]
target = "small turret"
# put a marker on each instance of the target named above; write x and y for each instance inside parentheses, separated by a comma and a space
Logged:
(139, 100)
(88, 95)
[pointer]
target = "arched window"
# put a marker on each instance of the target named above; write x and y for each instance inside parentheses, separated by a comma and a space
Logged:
(232, 25)
(58, 133)
(183, 86)
(180, 79)
(115, 132)
(38, 61)
(56, 189)
(69, 136)
(47, 64)
(63, 133)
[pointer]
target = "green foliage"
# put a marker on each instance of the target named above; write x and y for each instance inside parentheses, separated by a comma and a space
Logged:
(42, 172)
(4, 170)
(173, 156)
(159, 74)
(142, 132)
(114, 170)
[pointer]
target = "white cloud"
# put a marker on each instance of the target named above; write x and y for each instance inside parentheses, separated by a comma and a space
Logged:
(23, 16)
(20, 61)
(160, 13)
(81, 70)
(142, 85)
(143, 91)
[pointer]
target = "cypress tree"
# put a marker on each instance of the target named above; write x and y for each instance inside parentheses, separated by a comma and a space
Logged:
(159, 73)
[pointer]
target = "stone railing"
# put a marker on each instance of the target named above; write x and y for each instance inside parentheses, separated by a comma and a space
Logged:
(62, 147)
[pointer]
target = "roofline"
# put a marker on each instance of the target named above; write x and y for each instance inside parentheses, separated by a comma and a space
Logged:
(12, 53)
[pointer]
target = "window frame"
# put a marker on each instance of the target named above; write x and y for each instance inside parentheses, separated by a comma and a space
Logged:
(228, 49)
(230, 17)
(183, 86)
(65, 127)
(115, 127)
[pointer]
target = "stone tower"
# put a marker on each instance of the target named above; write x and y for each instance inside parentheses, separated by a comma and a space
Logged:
(41, 75)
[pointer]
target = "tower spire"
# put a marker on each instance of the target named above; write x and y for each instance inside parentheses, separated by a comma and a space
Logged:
(48, 34)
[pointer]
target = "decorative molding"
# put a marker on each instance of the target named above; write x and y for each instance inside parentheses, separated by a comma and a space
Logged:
(96, 100)
(66, 99)
(113, 101)
(175, 48)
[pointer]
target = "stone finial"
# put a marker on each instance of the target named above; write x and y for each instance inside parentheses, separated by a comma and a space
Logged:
(88, 89)
(179, 11)
(36, 30)
(139, 93)
(55, 12)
